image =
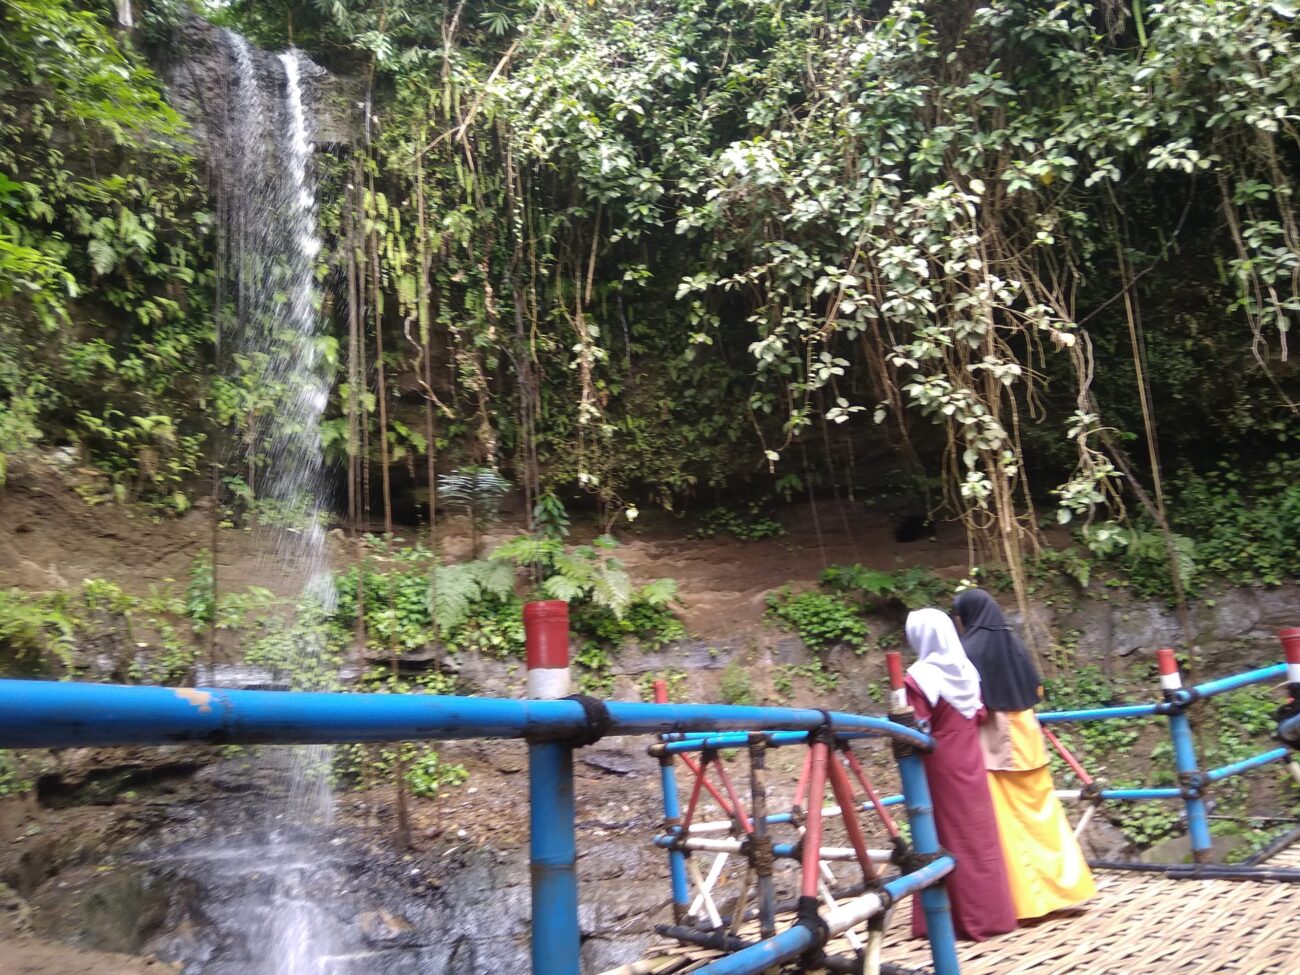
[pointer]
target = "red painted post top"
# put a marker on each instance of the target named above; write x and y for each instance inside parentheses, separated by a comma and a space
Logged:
(661, 692)
(546, 634)
(1290, 638)
(1168, 663)
(895, 661)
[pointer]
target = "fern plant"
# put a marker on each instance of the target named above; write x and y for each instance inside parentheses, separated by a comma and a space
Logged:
(580, 573)
(459, 588)
(477, 491)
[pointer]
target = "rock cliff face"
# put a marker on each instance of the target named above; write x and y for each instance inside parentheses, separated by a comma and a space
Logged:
(196, 70)
(1234, 628)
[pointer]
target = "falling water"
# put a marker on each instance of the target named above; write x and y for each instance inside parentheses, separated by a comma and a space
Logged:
(275, 347)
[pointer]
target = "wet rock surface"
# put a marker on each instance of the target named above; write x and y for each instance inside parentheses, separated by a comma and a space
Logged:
(172, 876)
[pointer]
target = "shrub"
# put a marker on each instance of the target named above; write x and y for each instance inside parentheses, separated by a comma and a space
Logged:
(912, 588)
(734, 685)
(428, 774)
(821, 620)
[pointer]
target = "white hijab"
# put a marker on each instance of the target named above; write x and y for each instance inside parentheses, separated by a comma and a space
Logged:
(943, 669)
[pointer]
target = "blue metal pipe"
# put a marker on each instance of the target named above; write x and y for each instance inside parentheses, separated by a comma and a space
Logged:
(790, 943)
(1225, 684)
(739, 739)
(1275, 755)
(925, 839)
(1098, 714)
(676, 858)
(796, 940)
(1198, 823)
(697, 735)
(44, 714)
(1131, 794)
(556, 941)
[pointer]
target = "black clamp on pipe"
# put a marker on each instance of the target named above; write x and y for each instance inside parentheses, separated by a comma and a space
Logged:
(759, 851)
(1092, 791)
(825, 732)
(598, 721)
(902, 749)
(1182, 698)
(1286, 712)
(808, 916)
(1193, 784)
(900, 851)
(912, 861)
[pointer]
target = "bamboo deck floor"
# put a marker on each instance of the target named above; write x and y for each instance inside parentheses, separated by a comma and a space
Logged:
(1138, 924)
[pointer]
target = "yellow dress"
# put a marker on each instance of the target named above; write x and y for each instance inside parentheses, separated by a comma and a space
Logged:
(1045, 866)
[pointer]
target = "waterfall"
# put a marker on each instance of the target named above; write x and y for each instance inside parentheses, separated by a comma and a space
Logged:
(280, 377)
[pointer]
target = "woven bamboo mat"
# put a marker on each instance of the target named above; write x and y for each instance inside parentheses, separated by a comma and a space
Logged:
(1138, 924)
(1290, 859)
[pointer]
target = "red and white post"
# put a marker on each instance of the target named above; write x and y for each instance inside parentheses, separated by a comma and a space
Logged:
(546, 635)
(897, 692)
(1170, 679)
(553, 852)
(1290, 638)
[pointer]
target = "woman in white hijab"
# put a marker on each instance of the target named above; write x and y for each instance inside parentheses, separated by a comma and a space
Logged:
(943, 688)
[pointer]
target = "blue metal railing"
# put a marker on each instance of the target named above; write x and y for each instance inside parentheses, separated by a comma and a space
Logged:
(42, 714)
(1193, 782)
(55, 714)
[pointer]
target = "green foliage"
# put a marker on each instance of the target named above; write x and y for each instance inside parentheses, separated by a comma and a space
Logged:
(1245, 526)
(583, 573)
(301, 644)
(733, 686)
(750, 525)
(821, 620)
(1145, 562)
(200, 592)
(495, 627)
(458, 588)
(550, 517)
(12, 780)
(822, 680)
(1230, 527)
(1083, 688)
(428, 775)
(1145, 823)
(912, 588)
(103, 301)
(38, 631)
(1238, 726)
(673, 677)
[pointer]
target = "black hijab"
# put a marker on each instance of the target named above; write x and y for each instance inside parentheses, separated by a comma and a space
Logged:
(1008, 680)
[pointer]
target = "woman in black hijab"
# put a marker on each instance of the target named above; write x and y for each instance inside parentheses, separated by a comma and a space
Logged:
(1007, 676)
(1045, 866)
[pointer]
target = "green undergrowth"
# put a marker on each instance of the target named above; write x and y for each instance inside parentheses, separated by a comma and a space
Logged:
(734, 685)
(755, 521)
(835, 613)
(409, 600)
(406, 599)
(819, 678)
(13, 779)
(821, 619)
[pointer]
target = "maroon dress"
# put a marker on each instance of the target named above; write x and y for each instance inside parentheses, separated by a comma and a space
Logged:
(967, 827)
